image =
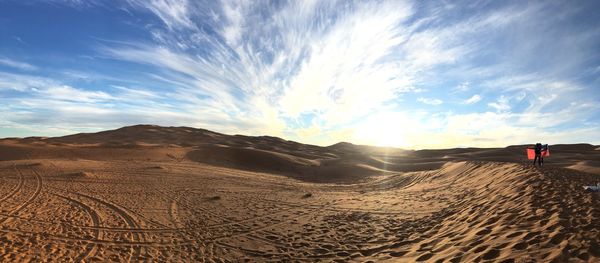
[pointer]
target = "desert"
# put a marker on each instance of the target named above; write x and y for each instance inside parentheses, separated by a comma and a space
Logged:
(147, 193)
(299, 131)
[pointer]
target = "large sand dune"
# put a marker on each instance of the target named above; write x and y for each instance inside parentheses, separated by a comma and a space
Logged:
(149, 193)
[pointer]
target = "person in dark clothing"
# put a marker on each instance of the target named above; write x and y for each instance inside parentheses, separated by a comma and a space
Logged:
(538, 154)
(544, 151)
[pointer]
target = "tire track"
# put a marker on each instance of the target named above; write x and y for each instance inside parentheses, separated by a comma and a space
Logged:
(90, 248)
(136, 236)
(85, 184)
(100, 228)
(176, 220)
(17, 188)
(127, 218)
(36, 193)
(61, 238)
(173, 213)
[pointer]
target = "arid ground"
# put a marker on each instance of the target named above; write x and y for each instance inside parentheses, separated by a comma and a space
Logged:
(160, 194)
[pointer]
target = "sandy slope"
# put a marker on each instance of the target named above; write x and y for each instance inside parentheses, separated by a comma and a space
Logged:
(143, 193)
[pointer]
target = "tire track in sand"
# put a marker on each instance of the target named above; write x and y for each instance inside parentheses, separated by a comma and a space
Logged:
(90, 248)
(63, 239)
(17, 188)
(137, 236)
(36, 193)
(129, 220)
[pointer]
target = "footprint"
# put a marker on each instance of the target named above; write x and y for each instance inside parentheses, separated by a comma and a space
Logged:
(483, 232)
(520, 246)
(556, 239)
(342, 254)
(515, 234)
(425, 257)
(398, 253)
(491, 254)
(480, 248)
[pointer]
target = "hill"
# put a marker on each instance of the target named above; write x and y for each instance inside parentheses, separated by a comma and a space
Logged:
(341, 162)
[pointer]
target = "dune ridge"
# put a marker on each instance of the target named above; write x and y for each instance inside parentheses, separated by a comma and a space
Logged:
(276, 155)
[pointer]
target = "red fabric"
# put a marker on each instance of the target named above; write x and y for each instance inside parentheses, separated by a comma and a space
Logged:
(531, 153)
(546, 153)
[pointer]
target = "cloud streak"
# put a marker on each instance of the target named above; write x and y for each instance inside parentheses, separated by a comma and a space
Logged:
(430, 101)
(473, 99)
(17, 64)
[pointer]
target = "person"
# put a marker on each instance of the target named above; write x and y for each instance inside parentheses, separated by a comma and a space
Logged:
(538, 154)
(544, 152)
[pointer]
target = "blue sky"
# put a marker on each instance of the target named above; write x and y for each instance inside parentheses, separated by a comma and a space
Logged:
(411, 74)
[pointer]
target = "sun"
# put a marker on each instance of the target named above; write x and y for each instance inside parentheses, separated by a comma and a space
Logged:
(389, 129)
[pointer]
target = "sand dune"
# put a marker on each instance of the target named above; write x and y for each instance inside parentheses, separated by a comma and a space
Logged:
(150, 193)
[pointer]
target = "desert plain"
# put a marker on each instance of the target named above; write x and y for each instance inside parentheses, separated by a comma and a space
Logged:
(147, 193)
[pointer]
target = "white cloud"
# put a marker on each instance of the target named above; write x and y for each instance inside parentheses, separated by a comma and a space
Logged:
(174, 13)
(17, 64)
(473, 99)
(18, 39)
(502, 104)
(343, 73)
(79, 4)
(19, 82)
(483, 129)
(430, 101)
(310, 132)
(462, 87)
(332, 61)
(234, 13)
(135, 94)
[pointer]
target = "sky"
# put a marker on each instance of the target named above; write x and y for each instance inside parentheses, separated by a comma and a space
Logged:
(408, 74)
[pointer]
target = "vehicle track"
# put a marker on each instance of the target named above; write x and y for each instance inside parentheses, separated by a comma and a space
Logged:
(174, 218)
(196, 209)
(132, 223)
(36, 193)
(90, 248)
(99, 228)
(127, 218)
(61, 238)
(17, 188)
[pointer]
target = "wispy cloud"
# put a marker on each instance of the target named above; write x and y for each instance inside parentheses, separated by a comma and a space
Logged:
(174, 13)
(462, 87)
(16, 64)
(430, 101)
(20, 82)
(77, 4)
(473, 99)
(18, 39)
(68, 93)
(501, 104)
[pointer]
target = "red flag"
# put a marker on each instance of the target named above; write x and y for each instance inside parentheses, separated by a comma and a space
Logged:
(546, 153)
(530, 153)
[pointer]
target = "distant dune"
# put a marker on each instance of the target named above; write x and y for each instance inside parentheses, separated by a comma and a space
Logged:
(180, 194)
(339, 162)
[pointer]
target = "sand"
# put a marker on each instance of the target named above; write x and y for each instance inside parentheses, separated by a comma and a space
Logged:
(160, 194)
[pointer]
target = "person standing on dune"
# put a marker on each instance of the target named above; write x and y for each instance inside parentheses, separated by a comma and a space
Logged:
(538, 154)
(544, 152)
